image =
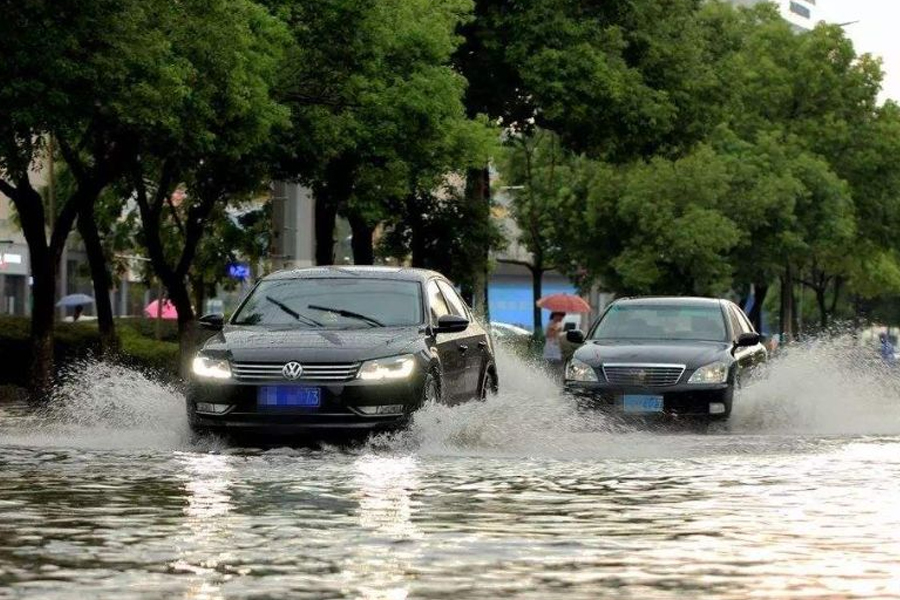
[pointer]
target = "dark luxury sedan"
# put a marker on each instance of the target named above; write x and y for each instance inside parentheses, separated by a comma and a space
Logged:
(678, 356)
(338, 349)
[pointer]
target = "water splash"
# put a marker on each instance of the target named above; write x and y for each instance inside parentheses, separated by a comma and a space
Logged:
(828, 385)
(102, 405)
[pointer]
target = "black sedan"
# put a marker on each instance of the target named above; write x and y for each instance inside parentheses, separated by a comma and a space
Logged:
(338, 349)
(681, 356)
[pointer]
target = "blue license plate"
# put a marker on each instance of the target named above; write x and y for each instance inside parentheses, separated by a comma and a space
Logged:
(278, 396)
(641, 403)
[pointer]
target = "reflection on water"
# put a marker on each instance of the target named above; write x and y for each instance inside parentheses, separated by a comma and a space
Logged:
(207, 541)
(517, 497)
(377, 568)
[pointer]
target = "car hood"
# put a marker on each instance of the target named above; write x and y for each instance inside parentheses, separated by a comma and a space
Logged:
(691, 353)
(269, 344)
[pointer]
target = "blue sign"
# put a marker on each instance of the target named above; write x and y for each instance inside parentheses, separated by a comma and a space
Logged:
(239, 271)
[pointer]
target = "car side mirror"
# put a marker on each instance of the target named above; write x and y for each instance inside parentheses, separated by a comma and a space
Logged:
(213, 322)
(575, 336)
(747, 339)
(451, 324)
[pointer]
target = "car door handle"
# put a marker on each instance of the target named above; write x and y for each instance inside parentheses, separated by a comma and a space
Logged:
(462, 348)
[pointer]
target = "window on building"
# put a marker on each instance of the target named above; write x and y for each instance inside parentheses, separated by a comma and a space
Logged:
(799, 9)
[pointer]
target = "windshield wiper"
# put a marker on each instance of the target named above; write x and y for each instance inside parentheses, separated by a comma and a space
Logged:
(293, 312)
(347, 313)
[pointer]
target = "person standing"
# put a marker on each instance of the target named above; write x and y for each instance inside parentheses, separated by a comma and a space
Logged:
(552, 349)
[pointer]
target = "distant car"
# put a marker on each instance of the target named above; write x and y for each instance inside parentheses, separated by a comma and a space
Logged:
(338, 349)
(507, 331)
(680, 356)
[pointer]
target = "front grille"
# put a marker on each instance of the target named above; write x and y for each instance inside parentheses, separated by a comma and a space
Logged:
(643, 375)
(245, 371)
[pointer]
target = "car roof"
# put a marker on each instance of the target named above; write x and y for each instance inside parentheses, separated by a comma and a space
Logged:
(671, 300)
(349, 271)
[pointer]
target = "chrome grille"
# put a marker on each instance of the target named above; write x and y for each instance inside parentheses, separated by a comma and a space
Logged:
(639, 375)
(246, 371)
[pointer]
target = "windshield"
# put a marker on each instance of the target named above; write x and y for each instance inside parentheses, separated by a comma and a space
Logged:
(333, 304)
(661, 322)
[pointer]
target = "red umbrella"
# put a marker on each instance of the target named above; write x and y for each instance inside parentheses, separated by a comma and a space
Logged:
(168, 310)
(567, 303)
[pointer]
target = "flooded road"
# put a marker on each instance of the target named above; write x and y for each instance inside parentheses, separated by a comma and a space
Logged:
(519, 497)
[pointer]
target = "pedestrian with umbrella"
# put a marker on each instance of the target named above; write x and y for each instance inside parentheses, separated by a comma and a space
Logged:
(558, 305)
(77, 301)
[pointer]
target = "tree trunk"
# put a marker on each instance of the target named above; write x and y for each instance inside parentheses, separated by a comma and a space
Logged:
(101, 278)
(478, 195)
(199, 289)
(822, 303)
(417, 237)
(761, 290)
(362, 243)
(326, 216)
(178, 294)
(787, 305)
(43, 292)
(537, 282)
(44, 263)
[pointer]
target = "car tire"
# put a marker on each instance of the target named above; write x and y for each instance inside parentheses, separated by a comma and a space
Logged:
(431, 389)
(488, 384)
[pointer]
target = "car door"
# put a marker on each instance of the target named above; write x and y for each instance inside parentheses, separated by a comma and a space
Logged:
(449, 347)
(472, 343)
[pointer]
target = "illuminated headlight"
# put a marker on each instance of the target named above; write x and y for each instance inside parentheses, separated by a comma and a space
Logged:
(211, 368)
(383, 409)
(578, 370)
(395, 367)
(713, 373)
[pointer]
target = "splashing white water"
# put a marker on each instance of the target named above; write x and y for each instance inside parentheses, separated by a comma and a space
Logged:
(102, 405)
(825, 387)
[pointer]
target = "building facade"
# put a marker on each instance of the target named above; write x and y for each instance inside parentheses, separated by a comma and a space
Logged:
(802, 14)
(14, 267)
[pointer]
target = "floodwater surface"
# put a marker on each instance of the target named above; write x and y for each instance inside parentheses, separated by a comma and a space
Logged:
(106, 496)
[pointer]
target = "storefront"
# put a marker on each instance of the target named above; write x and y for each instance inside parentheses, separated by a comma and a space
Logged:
(14, 288)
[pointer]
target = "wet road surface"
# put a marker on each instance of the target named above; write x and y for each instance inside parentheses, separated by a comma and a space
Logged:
(519, 497)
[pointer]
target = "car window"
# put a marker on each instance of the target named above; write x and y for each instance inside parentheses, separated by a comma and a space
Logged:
(748, 326)
(455, 303)
(662, 321)
(736, 326)
(436, 302)
(334, 303)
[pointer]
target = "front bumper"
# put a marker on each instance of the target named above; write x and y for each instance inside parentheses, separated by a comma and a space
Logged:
(339, 411)
(680, 400)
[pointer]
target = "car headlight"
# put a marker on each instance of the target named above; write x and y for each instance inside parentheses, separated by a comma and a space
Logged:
(716, 372)
(395, 367)
(211, 368)
(578, 370)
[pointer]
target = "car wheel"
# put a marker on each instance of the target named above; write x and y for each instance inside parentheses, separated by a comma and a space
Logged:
(488, 385)
(431, 391)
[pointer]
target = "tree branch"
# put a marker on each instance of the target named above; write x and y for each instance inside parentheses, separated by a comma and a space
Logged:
(71, 158)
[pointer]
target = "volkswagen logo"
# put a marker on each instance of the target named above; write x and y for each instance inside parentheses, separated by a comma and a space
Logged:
(292, 370)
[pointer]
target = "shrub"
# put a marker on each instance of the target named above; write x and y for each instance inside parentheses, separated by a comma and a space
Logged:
(78, 341)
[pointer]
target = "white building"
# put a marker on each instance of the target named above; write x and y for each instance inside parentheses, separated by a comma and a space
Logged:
(803, 14)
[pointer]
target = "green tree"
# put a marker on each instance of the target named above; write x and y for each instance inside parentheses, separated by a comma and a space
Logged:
(376, 109)
(210, 145)
(536, 169)
(78, 76)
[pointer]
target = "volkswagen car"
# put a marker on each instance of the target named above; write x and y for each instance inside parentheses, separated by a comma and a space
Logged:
(338, 349)
(675, 356)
